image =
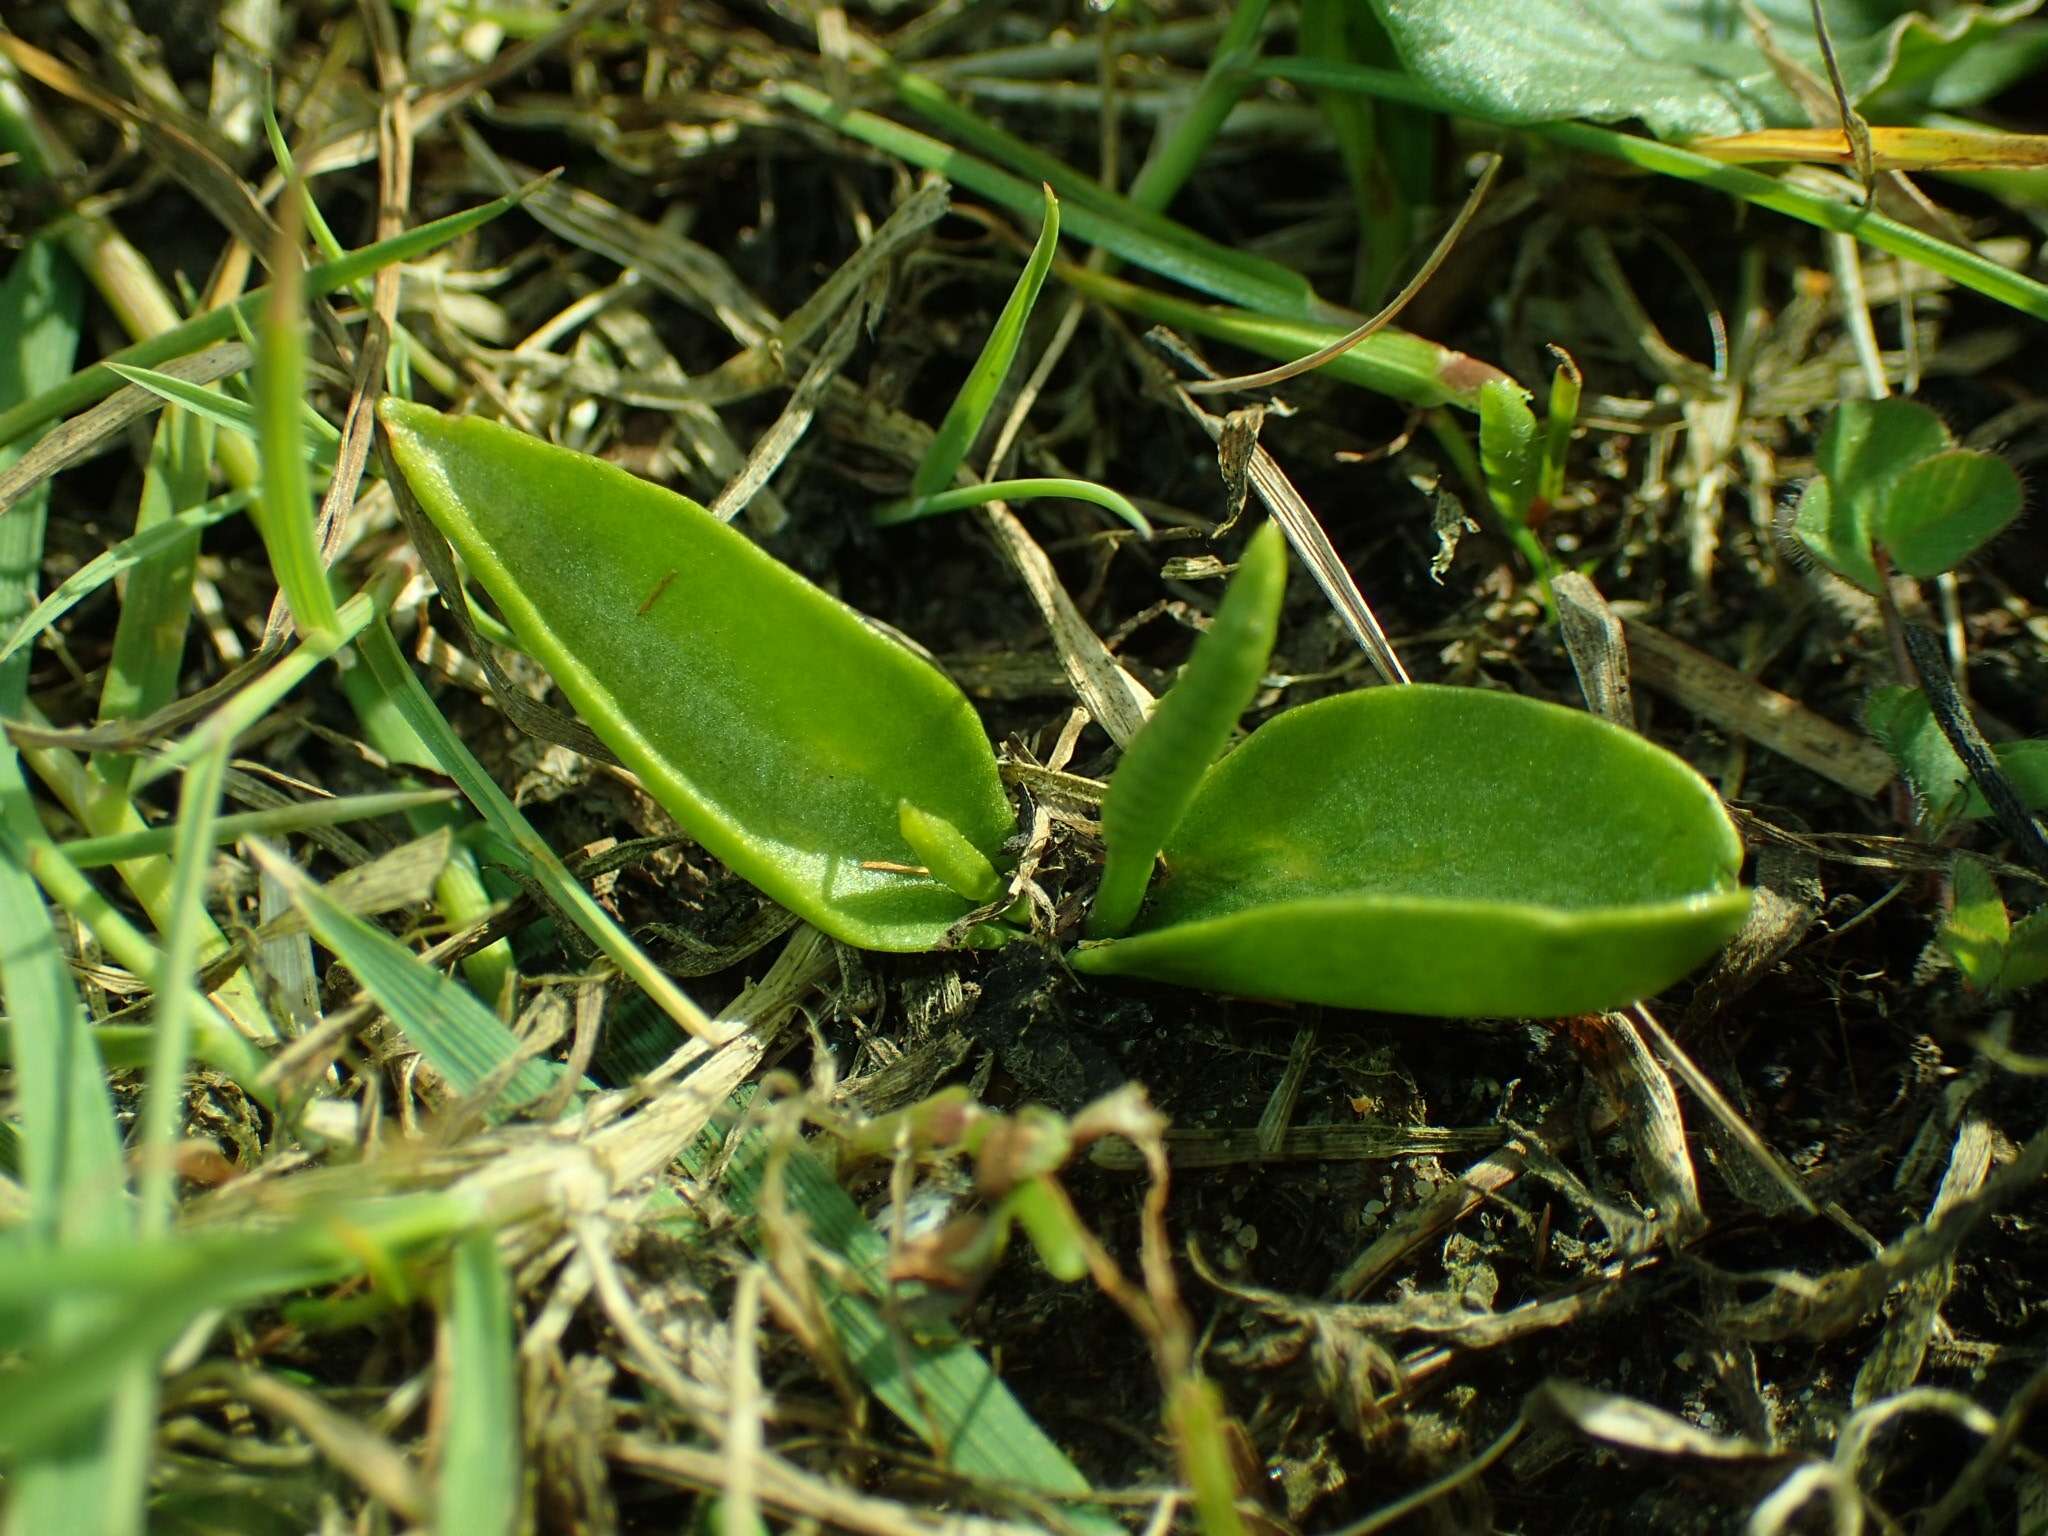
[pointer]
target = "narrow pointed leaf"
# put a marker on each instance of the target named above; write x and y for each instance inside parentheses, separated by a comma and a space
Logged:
(1509, 449)
(970, 408)
(1977, 930)
(1163, 766)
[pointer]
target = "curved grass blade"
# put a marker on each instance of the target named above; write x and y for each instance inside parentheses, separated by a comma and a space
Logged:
(132, 551)
(1163, 766)
(963, 496)
(970, 408)
(322, 436)
(97, 381)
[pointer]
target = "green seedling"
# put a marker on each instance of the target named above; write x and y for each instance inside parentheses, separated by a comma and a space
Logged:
(779, 729)
(1903, 723)
(1430, 850)
(1426, 850)
(1995, 954)
(1890, 484)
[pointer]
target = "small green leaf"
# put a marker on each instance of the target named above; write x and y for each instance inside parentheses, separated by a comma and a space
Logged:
(776, 726)
(1904, 725)
(971, 406)
(1977, 930)
(1042, 1209)
(1865, 446)
(1938, 513)
(1509, 450)
(1163, 766)
(946, 852)
(2026, 953)
(1445, 851)
(1566, 385)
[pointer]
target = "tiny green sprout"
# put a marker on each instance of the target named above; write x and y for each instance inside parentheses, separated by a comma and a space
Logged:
(1429, 850)
(1995, 954)
(827, 764)
(1888, 476)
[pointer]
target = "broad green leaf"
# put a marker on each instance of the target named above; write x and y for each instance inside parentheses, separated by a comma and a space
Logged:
(1162, 768)
(1977, 929)
(779, 729)
(1938, 513)
(1441, 851)
(970, 408)
(1509, 449)
(1685, 69)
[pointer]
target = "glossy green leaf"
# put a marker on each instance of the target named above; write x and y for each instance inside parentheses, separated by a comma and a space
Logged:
(1685, 69)
(1510, 450)
(970, 408)
(1939, 512)
(778, 728)
(944, 849)
(1163, 766)
(1442, 851)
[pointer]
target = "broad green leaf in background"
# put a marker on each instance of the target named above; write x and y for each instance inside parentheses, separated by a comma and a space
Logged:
(1687, 69)
(1447, 851)
(774, 724)
(1936, 514)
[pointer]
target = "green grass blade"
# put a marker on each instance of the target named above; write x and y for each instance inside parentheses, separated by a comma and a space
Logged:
(951, 1398)
(137, 549)
(963, 496)
(177, 1004)
(70, 1148)
(285, 509)
(1163, 766)
(1092, 215)
(94, 383)
(461, 1039)
(93, 852)
(481, 1455)
(156, 607)
(1181, 142)
(969, 410)
(1964, 267)
(405, 693)
(1392, 362)
(322, 436)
